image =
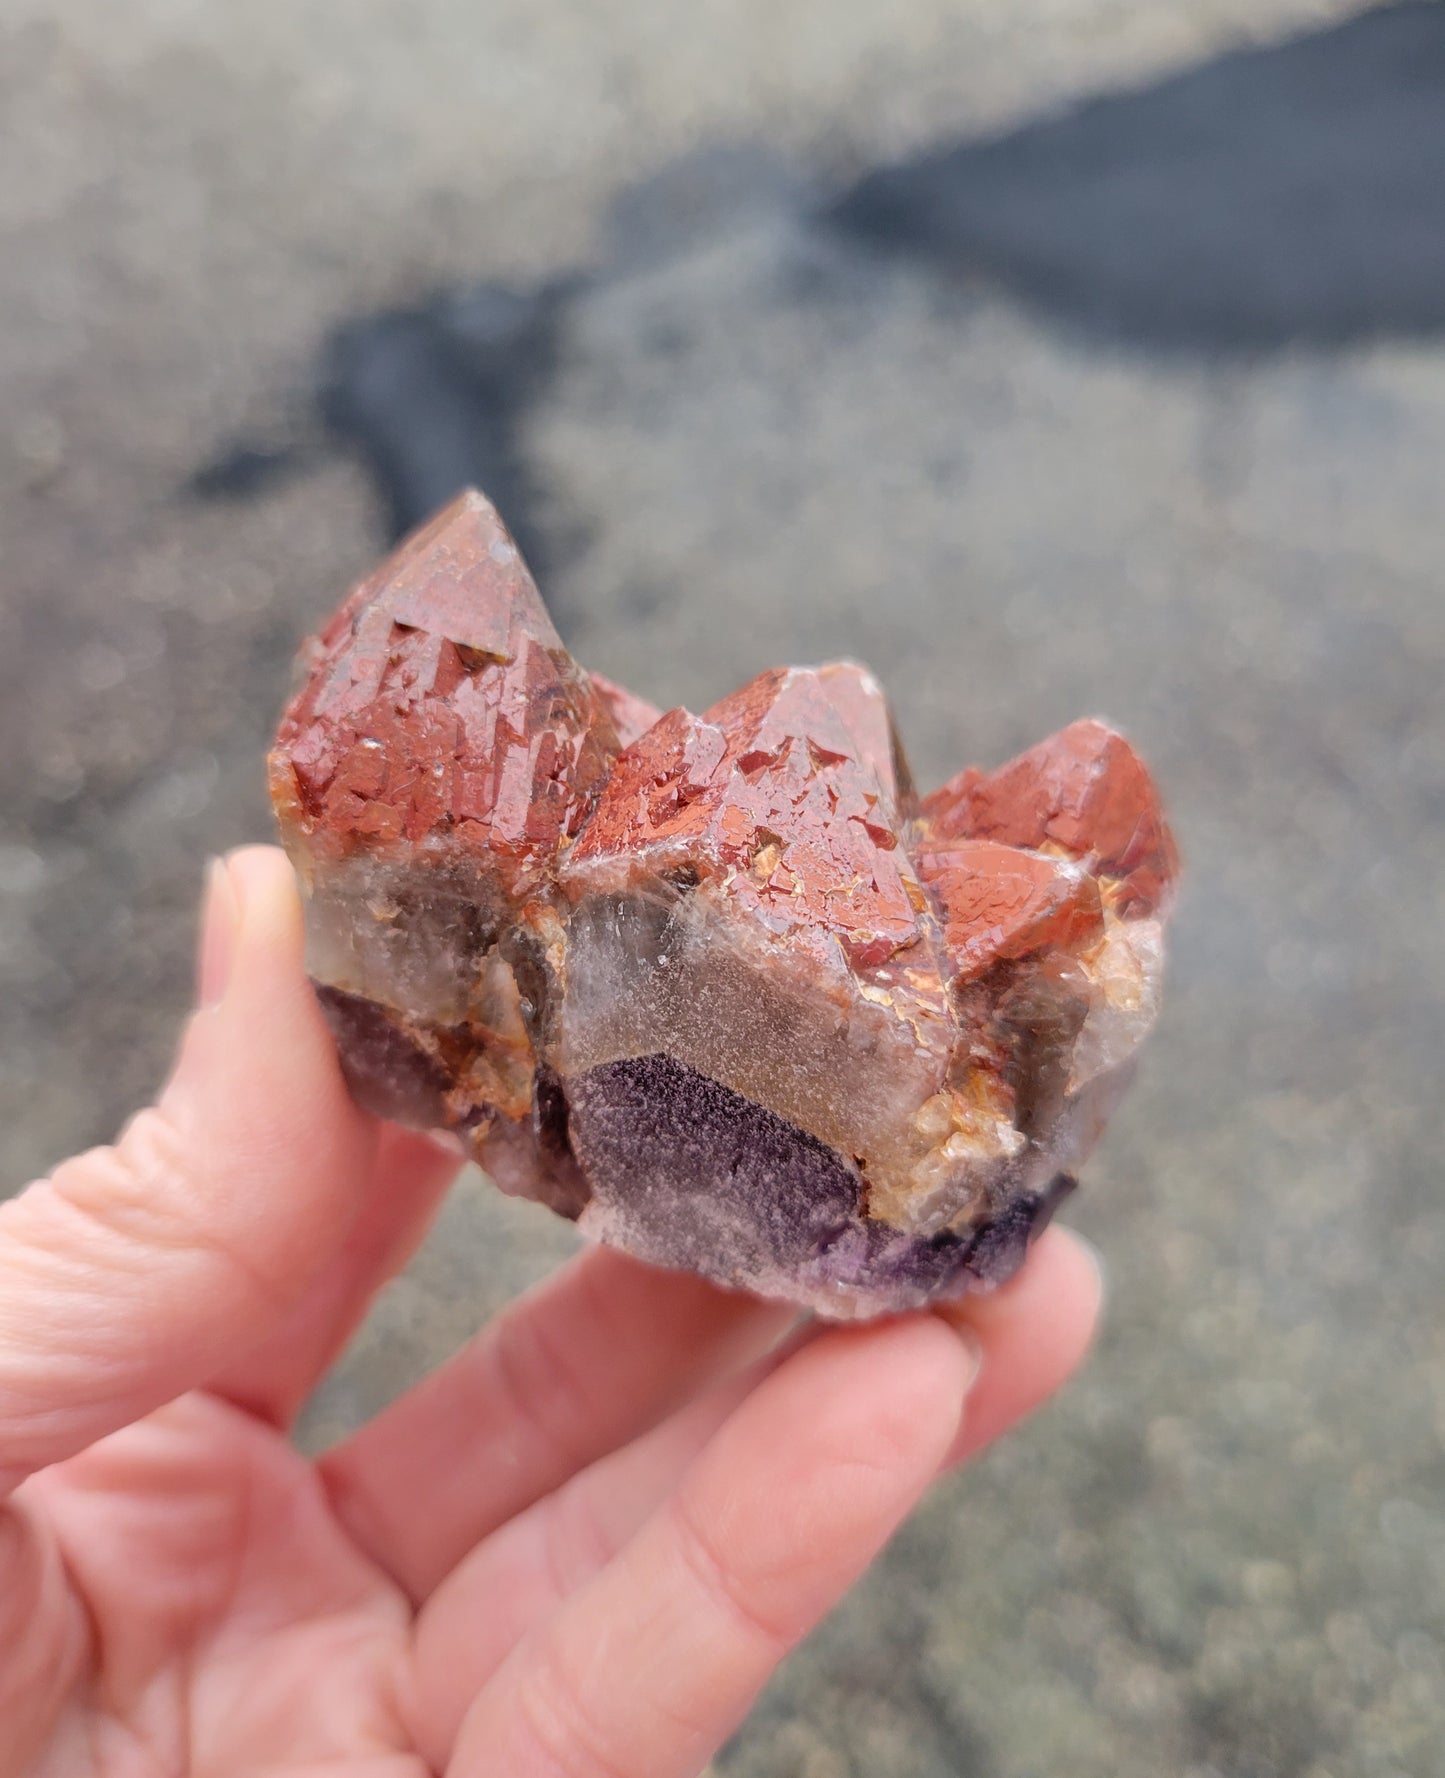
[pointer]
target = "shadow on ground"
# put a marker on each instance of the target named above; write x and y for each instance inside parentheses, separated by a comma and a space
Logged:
(1286, 196)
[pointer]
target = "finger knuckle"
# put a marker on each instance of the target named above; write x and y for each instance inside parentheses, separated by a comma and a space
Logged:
(578, 1543)
(536, 1373)
(725, 1588)
(143, 1199)
(559, 1718)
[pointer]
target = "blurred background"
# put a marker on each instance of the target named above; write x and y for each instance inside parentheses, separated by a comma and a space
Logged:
(1056, 357)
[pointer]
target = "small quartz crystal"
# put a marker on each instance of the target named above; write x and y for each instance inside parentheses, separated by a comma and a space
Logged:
(721, 987)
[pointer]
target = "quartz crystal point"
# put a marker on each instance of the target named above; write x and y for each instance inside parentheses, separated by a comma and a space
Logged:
(722, 987)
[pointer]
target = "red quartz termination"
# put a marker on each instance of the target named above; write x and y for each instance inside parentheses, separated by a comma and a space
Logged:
(722, 985)
(1084, 791)
(440, 704)
(771, 790)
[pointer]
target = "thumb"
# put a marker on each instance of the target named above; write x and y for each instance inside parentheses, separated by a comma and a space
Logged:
(134, 1271)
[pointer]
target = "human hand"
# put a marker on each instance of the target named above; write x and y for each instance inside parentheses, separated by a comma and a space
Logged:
(577, 1550)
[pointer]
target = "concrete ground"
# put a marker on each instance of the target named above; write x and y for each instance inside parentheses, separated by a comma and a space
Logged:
(1222, 1555)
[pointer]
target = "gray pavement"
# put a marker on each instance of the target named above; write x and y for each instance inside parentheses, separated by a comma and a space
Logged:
(1222, 1555)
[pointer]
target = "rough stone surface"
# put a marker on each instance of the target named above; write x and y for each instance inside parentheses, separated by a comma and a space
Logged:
(693, 990)
(1221, 1554)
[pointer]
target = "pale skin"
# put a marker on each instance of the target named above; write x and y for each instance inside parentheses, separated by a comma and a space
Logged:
(577, 1550)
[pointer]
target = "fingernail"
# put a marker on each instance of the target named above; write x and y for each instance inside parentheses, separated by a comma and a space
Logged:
(1094, 1257)
(220, 926)
(972, 1346)
(450, 1144)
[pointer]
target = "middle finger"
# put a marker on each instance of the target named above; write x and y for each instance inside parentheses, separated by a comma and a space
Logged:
(588, 1361)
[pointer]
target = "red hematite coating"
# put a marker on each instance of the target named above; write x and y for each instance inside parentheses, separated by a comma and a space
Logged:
(1000, 901)
(1085, 791)
(441, 704)
(782, 783)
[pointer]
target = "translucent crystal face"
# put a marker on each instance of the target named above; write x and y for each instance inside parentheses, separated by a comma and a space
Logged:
(720, 986)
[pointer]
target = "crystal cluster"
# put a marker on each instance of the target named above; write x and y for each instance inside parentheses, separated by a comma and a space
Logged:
(722, 987)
